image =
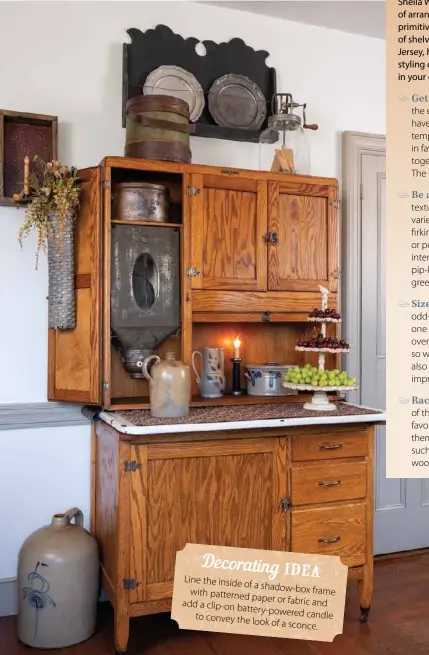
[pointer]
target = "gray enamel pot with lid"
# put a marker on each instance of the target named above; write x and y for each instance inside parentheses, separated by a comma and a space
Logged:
(266, 379)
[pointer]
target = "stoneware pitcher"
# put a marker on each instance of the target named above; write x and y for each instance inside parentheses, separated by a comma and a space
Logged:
(211, 381)
(58, 584)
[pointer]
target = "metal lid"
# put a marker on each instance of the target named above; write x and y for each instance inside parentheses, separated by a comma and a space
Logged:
(284, 121)
(269, 366)
(139, 185)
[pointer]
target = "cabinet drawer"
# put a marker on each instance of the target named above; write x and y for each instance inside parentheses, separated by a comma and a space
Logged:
(325, 446)
(244, 302)
(324, 482)
(339, 530)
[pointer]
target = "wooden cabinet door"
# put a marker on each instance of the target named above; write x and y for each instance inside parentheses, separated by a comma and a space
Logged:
(225, 493)
(74, 357)
(304, 217)
(228, 223)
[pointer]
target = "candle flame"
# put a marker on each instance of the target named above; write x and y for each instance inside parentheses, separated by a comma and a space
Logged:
(237, 342)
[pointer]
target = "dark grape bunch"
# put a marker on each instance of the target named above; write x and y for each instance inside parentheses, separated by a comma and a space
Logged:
(321, 342)
(328, 313)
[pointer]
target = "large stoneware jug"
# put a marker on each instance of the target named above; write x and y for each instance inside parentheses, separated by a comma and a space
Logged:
(58, 584)
(169, 386)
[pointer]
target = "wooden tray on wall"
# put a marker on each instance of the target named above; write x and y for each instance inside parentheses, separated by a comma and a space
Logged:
(20, 135)
(162, 47)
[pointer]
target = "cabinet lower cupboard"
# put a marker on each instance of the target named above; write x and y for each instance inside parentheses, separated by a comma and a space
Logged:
(307, 489)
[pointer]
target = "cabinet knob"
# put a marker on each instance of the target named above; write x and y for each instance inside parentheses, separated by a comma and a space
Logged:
(266, 317)
(271, 237)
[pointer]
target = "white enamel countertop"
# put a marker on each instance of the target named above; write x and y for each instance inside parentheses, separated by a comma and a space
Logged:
(126, 427)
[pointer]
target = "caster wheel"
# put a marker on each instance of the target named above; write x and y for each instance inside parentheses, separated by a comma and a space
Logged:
(364, 612)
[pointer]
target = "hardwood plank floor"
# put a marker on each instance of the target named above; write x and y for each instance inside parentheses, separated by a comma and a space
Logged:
(398, 625)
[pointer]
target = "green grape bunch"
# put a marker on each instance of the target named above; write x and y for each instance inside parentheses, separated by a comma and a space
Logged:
(312, 376)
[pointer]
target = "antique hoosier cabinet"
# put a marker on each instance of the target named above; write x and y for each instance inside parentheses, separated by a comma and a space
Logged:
(248, 253)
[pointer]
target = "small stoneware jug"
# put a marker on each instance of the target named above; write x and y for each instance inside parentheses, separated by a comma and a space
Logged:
(211, 381)
(58, 584)
(169, 386)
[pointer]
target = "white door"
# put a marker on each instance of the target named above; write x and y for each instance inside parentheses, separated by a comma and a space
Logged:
(401, 506)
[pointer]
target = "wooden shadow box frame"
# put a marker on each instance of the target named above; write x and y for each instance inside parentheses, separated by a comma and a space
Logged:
(23, 134)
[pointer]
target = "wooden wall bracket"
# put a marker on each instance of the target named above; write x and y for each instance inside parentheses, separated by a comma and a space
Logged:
(162, 47)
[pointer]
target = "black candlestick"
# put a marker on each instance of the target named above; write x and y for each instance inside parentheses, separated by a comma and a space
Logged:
(236, 390)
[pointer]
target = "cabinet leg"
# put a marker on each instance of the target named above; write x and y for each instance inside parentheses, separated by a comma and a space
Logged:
(121, 632)
(365, 593)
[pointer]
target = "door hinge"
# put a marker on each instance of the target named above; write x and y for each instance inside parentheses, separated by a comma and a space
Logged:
(285, 504)
(105, 385)
(335, 203)
(361, 191)
(130, 583)
(192, 272)
(193, 191)
(130, 467)
(107, 184)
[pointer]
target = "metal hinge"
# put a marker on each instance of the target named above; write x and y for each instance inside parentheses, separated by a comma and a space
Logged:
(130, 583)
(105, 385)
(193, 191)
(361, 191)
(107, 184)
(285, 504)
(130, 467)
(192, 272)
(335, 203)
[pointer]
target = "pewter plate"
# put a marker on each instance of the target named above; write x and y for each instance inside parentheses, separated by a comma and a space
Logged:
(179, 83)
(236, 101)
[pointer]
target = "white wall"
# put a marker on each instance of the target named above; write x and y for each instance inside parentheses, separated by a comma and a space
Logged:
(42, 472)
(65, 59)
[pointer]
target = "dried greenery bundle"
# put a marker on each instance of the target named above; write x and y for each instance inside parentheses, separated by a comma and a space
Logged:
(53, 188)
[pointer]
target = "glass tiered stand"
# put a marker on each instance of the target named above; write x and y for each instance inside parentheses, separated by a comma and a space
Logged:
(320, 401)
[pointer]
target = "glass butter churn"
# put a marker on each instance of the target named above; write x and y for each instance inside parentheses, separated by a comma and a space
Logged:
(283, 145)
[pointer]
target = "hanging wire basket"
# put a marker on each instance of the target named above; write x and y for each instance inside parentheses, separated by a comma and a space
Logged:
(62, 303)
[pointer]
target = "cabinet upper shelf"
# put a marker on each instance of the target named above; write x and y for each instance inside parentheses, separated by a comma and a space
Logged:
(182, 168)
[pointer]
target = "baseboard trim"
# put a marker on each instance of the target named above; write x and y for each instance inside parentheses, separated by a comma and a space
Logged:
(402, 554)
(9, 597)
(22, 416)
